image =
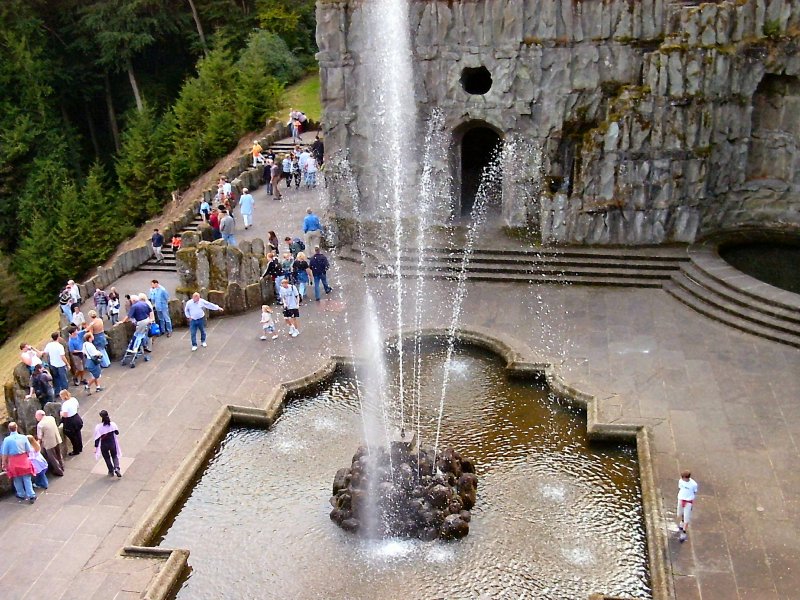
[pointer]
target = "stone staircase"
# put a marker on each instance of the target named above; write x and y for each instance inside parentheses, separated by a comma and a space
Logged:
(712, 287)
(623, 267)
(169, 264)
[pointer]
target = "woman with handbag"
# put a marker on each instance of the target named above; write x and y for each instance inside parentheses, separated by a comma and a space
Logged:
(92, 359)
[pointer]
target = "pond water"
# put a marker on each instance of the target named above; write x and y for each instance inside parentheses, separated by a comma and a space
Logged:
(555, 519)
(773, 263)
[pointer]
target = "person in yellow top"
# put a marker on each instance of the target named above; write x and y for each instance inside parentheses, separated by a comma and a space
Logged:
(257, 158)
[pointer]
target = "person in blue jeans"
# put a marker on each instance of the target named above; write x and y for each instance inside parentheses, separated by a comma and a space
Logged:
(319, 268)
(159, 296)
(196, 316)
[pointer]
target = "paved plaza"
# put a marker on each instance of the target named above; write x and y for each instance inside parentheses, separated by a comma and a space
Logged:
(720, 402)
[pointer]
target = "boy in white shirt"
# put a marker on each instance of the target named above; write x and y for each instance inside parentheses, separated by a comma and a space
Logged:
(687, 491)
(267, 323)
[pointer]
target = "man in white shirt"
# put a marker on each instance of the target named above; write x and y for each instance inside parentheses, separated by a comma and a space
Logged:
(687, 491)
(58, 364)
(290, 298)
(196, 315)
(74, 292)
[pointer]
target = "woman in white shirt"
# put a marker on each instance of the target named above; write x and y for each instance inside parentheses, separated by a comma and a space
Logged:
(73, 423)
(92, 358)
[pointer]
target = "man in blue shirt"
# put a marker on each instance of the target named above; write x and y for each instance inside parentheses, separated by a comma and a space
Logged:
(159, 296)
(312, 228)
(197, 318)
(16, 464)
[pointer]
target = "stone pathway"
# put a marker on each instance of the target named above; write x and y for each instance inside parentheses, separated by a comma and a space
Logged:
(720, 402)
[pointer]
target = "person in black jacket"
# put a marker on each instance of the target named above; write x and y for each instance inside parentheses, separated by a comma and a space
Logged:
(319, 267)
(275, 272)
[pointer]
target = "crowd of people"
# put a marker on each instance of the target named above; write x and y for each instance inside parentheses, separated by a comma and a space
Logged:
(294, 266)
(28, 459)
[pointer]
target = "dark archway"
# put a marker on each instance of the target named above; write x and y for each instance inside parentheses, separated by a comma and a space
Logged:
(479, 148)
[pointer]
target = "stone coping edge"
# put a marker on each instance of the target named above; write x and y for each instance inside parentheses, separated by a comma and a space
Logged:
(163, 585)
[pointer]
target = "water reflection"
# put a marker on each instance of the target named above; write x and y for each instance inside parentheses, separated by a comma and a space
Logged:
(554, 519)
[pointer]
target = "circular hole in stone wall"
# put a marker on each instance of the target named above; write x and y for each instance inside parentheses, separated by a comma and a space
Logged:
(476, 80)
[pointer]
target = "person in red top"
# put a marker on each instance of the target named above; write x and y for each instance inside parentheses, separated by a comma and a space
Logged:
(213, 220)
(17, 463)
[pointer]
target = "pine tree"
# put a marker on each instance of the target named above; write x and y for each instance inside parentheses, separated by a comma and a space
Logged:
(108, 226)
(37, 266)
(12, 302)
(262, 68)
(141, 168)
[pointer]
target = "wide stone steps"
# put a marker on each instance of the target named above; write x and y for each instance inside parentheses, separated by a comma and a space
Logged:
(577, 266)
(714, 311)
(714, 288)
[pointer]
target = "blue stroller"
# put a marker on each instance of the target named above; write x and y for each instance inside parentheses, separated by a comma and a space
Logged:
(137, 345)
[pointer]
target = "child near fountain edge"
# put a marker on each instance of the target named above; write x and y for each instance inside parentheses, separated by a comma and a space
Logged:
(687, 491)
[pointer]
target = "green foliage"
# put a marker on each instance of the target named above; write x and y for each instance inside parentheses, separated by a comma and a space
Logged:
(772, 28)
(36, 265)
(263, 68)
(141, 167)
(293, 20)
(12, 302)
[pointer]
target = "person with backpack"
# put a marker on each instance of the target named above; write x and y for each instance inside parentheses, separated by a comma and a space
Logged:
(41, 385)
(274, 271)
(295, 246)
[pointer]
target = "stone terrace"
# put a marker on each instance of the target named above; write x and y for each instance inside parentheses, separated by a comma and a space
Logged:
(720, 402)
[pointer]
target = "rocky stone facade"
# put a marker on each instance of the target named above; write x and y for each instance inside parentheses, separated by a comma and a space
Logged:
(657, 121)
(226, 275)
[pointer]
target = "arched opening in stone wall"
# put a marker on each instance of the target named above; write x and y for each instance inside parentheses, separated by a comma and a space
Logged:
(479, 146)
(774, 151)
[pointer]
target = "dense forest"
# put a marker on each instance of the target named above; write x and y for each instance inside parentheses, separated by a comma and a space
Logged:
(108, 105)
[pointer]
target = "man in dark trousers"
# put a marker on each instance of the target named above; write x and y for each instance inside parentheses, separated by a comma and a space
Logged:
(319, 267)
(158, 242)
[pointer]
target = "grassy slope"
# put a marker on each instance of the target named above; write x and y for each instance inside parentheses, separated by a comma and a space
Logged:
(36, 330)
(303, 95)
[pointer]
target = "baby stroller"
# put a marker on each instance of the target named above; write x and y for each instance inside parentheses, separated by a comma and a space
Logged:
(137, 345)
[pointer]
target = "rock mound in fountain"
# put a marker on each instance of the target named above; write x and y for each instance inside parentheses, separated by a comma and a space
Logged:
(402, 493)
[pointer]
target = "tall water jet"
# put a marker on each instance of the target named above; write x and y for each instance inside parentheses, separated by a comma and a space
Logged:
(391, 109)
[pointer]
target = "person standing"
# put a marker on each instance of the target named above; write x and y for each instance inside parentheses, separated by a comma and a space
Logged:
(100, 302)
(274, 271)
(687, 491)
(213, 221)
(41, 385)
(319, 268)
(290, 298)
(318, 150)
(50, 439)
(159, 296)
(301, 274)
(275, 179)
(274, 244)
(39, 463)
(92, 359)
(74, 294)
(157, 240)
(286, 167)
(312, 229)
(113, 306)
(246, 207)
(72, 421)
(16, 462)
(65, 302)
(97, 327)
(57, 361)
(106, 442)
(195, 314)
(226, 227)
(311, 172)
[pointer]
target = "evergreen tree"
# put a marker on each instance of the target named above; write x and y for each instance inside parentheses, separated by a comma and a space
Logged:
(73, 231)
(12, 302)
(140, 167)
(108, 227)
(37, 265)
(293, 20)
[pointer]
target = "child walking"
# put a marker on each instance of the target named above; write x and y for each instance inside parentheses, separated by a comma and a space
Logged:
(687, 490)
(267, 323)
